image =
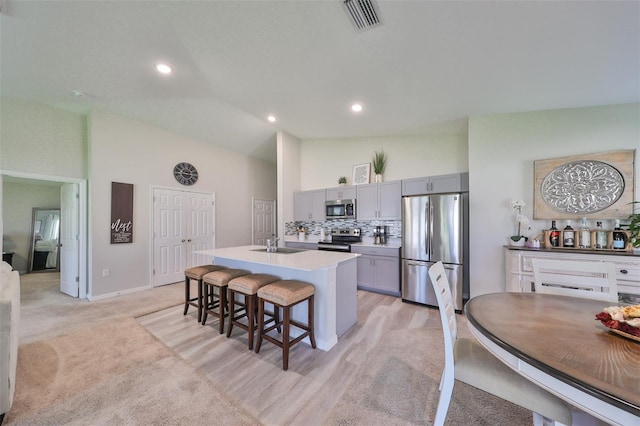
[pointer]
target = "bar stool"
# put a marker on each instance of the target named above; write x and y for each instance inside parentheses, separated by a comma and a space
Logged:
(285, 294)
(196, 273)
(215, 304)
(247, 286)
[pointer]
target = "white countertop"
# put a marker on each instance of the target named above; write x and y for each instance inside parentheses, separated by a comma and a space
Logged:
(308, 260)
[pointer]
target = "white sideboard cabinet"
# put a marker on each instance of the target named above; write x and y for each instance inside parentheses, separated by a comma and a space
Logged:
(519, 272)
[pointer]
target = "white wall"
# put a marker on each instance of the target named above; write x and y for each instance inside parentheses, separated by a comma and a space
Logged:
(502, 149)
(289, 170)
(323, 161)
(127, 151)
(43, 140)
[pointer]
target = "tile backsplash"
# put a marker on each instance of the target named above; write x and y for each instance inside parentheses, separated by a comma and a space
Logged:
(313, 227)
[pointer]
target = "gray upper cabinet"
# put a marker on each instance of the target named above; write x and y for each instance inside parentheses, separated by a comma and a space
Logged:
(379, 201)
(309, 205)
(341, 193)
(456, 182)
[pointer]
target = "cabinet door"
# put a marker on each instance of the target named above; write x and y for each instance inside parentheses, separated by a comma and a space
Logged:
(317, 204)
(387, 274)
(365, 272)
(450, 183)
(417, 186)
(390, 200)
(308, 205)
(367, 202)
(341, 193)
(302, 205)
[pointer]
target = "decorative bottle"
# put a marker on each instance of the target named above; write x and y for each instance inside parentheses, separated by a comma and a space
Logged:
(601, 236)
(619, 238)
(554, 235)
(568, 236)
(585, 234)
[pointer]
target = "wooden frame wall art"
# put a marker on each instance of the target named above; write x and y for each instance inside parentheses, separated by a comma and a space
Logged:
(361, 173)
(595, 186)
(121, 213)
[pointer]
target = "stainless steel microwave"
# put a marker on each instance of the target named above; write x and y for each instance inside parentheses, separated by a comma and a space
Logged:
(340, 209)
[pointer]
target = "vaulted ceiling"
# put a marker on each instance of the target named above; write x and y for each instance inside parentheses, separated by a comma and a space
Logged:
(429, 66)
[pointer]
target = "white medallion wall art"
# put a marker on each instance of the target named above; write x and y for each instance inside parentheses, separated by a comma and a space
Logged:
(596, 186)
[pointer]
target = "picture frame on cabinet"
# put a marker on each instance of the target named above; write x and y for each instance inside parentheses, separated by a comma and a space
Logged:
(361, 173)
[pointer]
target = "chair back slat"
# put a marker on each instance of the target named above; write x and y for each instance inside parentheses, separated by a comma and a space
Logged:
(587, 279)
(442, 289)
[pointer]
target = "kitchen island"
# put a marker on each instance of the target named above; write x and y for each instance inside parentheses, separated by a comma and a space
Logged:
(333, 275)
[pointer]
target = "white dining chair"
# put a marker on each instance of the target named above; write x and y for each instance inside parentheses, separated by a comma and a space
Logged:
(469, 362)
(579, 278)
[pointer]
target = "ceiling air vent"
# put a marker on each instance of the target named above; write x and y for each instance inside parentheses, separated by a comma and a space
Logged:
(364, 14)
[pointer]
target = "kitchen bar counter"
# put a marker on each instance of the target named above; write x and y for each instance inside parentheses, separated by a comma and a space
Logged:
(333, 275)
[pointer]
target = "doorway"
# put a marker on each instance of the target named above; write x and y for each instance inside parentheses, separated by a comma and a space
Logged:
(183, 223)
(73, 232)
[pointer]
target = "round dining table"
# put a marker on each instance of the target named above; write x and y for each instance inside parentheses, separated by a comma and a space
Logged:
(556, 342)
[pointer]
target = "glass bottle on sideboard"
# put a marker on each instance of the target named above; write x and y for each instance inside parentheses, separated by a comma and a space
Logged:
(619, 238)
(554, 235)
(601, 236)
(585, 234)
(568, 236)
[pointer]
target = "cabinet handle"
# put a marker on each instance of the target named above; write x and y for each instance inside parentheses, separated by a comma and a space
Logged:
(624, 271)
(189, 240)
(183, 241)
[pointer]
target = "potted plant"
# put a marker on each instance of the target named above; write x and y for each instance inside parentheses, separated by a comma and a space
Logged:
(522, 221)
(379, 164)
(342, 180)
(634, 226)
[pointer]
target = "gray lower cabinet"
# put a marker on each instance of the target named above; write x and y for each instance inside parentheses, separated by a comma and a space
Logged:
(378, 269)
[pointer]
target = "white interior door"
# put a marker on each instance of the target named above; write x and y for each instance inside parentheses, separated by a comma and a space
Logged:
(182, 224)
(199, 227)
(69, 228)
(264, 220)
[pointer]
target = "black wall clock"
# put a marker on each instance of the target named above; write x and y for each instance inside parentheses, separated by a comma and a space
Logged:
(185, 173)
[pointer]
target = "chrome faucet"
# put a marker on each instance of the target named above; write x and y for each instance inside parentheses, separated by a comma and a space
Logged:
(272, 244)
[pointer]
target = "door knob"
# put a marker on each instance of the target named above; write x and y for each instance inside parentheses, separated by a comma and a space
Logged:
(183, 241)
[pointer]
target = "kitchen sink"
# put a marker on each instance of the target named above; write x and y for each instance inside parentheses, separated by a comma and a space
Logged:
(282, 250)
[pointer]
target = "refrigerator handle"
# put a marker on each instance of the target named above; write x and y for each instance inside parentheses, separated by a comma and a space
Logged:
(427, 228)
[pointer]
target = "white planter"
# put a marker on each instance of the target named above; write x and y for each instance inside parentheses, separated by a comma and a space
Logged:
(520, 243)
(378, 178)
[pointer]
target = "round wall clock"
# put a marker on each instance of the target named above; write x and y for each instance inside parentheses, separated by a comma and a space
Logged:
(185, 173)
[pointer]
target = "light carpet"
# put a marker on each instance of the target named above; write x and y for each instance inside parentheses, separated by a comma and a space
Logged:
(115, 373)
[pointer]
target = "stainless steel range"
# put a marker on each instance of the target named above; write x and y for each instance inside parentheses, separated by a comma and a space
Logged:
(341, 240)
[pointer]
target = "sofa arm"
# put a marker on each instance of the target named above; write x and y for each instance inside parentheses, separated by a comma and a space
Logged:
(9, 334)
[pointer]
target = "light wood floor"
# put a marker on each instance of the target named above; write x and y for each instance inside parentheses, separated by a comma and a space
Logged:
(315, 379)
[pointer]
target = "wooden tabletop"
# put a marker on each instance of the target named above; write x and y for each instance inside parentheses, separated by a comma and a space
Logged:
(560, 336)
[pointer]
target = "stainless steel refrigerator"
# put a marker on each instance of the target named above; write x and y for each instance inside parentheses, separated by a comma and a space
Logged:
(435, 228)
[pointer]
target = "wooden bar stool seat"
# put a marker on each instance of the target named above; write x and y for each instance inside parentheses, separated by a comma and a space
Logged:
(285, 294)
(215, 303)
(247, 286)
(196, 273)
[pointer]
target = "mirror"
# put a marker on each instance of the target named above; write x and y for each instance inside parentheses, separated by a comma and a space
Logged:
(44, 255)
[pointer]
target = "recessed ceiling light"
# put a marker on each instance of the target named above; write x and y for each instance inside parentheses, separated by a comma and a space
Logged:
(163, 68)
(272, 119)
(78, 93)
(357, 107)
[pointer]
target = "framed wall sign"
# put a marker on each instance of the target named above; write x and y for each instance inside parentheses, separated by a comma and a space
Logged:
(121, 213)
(361, 173)
(595, 186)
